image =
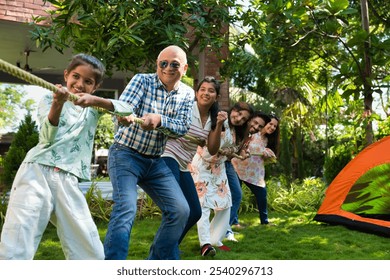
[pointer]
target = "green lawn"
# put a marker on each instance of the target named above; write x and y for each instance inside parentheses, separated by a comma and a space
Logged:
(294, 237)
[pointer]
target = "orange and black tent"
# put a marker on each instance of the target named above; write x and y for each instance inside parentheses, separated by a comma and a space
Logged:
(359, 196)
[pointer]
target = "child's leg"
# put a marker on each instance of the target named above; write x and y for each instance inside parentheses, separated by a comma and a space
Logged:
(75, 227)
(203, 226)
(218, 226)
(28, 213)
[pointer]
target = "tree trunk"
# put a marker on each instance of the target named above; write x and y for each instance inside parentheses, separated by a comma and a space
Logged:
(367, 90)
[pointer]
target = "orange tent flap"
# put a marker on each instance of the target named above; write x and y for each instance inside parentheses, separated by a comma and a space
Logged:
(359, 196)
(375, 154)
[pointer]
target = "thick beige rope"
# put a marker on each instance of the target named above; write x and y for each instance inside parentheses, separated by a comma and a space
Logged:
(34, 80)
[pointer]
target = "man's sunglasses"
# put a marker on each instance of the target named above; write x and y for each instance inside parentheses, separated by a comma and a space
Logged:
(164, 64)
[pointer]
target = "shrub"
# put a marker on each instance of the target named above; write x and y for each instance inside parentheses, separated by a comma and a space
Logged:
(25, 138)
(338, 158)
(248, 202)
(302, 195)
(2, 185)
(283, 197)
(99, 207)
(3, 208)
(147, 208)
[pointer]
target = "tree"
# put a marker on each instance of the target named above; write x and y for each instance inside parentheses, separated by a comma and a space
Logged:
(25, 138)
(312, 59)
(11, 98)
(128, 35)
(104, 136)
(294, 43)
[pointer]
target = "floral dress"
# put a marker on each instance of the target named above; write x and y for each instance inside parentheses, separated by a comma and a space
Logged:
(209, 174)
(252, 170)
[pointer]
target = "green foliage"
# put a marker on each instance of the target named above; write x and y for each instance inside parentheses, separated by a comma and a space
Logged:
(104, 135)
(1, 173)
(285, 156)
(128, 35)
(11, 98)
(313, 84)
(100, 207)
(314, 157)
(283, 196)
(338, 158)
(383, 129)
(3, 208)
(25, 138)
(301, 195)
(248, 202)
(147, 208)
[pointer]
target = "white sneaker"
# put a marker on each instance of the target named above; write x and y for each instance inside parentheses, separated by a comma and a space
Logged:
(230, 237)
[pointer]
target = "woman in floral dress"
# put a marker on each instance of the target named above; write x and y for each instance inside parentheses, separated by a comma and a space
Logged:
(263, 148)
(210, 179)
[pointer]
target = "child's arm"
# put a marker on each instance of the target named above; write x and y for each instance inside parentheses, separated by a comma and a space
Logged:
(59, 98)
(214, 138)
(89, 100)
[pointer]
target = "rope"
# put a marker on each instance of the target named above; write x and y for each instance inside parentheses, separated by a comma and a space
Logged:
(34, 80)
(191, 139)
(188, 137)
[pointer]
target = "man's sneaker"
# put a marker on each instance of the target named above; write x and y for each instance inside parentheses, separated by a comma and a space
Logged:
(207, 250)
(224, 248)
(230, 237)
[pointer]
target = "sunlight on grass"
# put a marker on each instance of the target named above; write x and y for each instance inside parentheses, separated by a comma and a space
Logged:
(314, 239)
(294, 237)
(50, 249)
(381, 255)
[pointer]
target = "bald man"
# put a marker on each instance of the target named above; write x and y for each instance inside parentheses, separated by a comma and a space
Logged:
(164, 104)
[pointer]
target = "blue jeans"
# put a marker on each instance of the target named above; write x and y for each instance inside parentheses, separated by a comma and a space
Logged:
(261, 200)
(188, 188)
(235, 190)
(127, 168)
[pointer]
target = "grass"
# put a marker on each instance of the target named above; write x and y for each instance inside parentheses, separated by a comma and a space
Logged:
(294, 237)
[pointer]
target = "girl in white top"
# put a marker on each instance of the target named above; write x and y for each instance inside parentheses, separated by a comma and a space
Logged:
(180, 152)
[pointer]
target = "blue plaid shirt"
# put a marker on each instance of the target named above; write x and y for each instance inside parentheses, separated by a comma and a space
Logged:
(147, 94)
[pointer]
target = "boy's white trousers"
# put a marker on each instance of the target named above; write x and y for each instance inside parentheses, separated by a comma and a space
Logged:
(41, 194)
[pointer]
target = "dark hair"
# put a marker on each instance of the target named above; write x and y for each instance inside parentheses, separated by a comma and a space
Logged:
(274, 138)
(241, 131)
(214, 109)
(264, 116)
(85, 59)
